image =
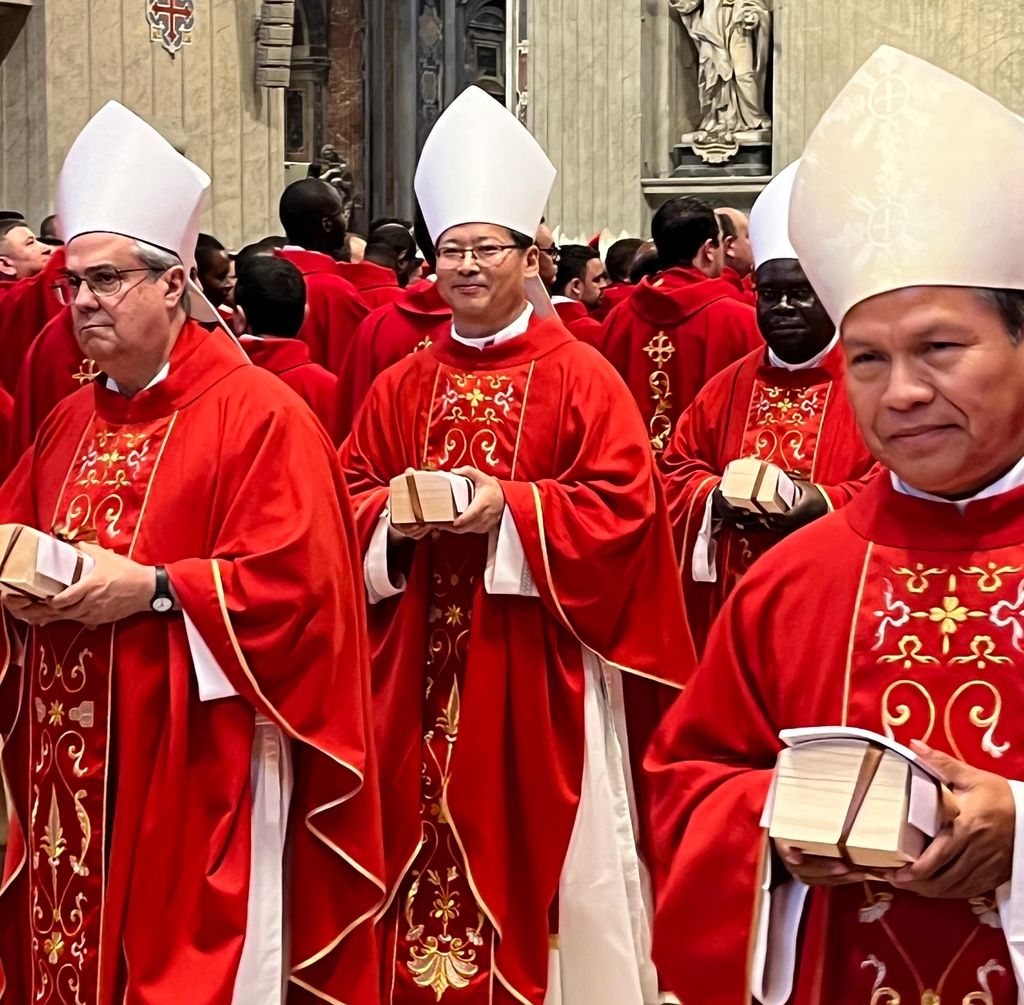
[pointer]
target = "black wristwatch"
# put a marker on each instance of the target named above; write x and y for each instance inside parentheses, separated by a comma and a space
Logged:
(162, 601)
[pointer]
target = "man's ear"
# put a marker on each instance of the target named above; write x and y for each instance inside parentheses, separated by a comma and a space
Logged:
(728, 243)
(239, 322)
(575, 289)
(7, 269)
(532, 262)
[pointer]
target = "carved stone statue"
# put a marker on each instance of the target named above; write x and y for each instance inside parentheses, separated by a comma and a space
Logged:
(732, 39)
(335, 171)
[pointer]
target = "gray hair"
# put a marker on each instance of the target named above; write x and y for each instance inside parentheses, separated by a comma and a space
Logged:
(158, 262)
(1010, 304)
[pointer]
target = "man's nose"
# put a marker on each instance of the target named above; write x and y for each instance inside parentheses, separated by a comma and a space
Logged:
(905, 388)
(85, 299)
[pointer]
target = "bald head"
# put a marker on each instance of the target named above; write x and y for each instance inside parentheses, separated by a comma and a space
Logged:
(736, 240)
(22, 254)
(312, 215)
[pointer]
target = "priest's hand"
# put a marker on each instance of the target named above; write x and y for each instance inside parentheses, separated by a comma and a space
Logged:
(115, 588)
(484, 513)
(809, 507)
(973, 854)
(741, 519)
(815, 870)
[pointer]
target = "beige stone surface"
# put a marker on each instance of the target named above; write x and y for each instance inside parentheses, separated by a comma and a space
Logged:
(819, 44)
(70, 57)
(585, 104)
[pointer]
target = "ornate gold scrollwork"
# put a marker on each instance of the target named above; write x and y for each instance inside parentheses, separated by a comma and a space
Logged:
(901, 715)
(977, 717)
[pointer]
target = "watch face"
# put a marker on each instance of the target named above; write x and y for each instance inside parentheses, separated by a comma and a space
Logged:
(162, 605)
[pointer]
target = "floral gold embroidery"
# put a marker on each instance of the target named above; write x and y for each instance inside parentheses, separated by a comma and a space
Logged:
(918, 577)
(660, 350)
(990, 579)
(910, 647)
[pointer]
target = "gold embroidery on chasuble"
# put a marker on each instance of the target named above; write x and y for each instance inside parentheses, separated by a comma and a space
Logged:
(937, 654)
(660, 350)
(784, 424)
(102, 500)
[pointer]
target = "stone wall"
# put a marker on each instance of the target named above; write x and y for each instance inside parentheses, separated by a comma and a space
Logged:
(819, 44)
(77, 56)
(585, 105)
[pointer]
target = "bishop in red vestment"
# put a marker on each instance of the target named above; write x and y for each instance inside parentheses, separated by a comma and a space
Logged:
(270, 307)
(387, 335)
(312, 214)
(24, 311)
(498, 641)
(198, 700)
(900, 613)
(676, 331)
(785, 403)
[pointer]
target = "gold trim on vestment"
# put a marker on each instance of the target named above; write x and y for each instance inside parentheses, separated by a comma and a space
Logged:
(561, 610)
(522, 420)
(430, 416)
(853, 631)
(817, 442)
(149, 484)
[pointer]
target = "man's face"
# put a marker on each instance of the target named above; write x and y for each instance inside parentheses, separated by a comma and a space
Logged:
(333, 220)
(548, 255)
(737, 253)
(789, 313)
(595, 282)
(131, 325)
(22, 254)
(487, 287)
(217, 279)
(937, 387)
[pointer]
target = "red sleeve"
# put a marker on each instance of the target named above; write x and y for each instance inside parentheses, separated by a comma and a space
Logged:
(709, 770)
(281, 593)
(597, 536)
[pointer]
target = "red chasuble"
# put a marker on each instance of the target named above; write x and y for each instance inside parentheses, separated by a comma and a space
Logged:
(386, 336)
(894, 614)
(335, 307)
(479, 698)
(54, 367)
(289, 359)
(800, 420)
(613, 296)
(580, 322)
(377, 284)
(127, 870)
(24, 311)
(743, 287)
(670, 337)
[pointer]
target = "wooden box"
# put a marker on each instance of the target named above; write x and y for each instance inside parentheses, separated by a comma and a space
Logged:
(37, 565)
(758, 486)
(429, 497)
(857, 796)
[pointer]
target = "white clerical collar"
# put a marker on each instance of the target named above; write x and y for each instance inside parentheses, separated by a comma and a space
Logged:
(813, 361)
(563, 300)
(161, 374)
(516, 328)
(1013, 479)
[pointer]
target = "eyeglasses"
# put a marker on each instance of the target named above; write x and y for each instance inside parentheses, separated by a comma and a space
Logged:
(103, 281)
(486, 255)
(554, 252)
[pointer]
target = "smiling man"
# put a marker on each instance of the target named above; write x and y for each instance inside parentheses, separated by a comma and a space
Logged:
(902, 613)
(785, 403)
(197, 700)
(500, 639)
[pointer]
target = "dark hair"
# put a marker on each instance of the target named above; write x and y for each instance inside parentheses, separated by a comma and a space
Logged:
(206, 248)
(1010, 304)
(265, 246)
(680, 229)
(394, 236)
(304, 204)
(644, 267)
(727, 224)
(620, 257)
(572, 264)
(385, 221)
(6, 226)
(272, 293)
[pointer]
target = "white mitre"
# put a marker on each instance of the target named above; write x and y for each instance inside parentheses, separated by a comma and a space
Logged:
(905, 182)
(480, 164)
(769, 219)
(122, 177)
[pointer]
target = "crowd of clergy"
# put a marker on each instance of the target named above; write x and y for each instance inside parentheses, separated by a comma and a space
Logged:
(269, 745)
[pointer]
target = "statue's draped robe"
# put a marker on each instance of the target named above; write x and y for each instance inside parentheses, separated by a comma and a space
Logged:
(894, 614)
(800, 420)
(488, 700)
(132, 800)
